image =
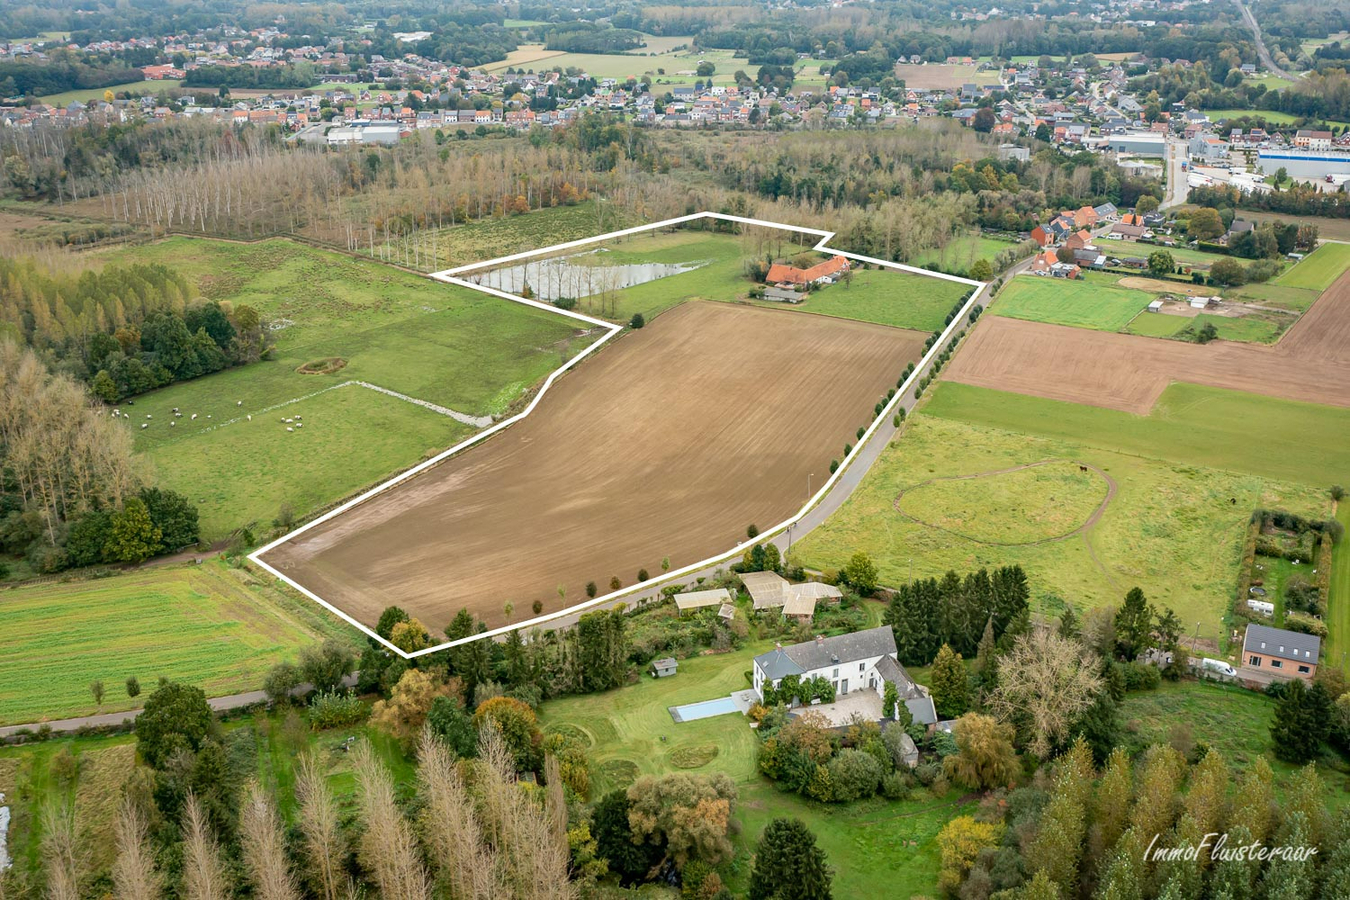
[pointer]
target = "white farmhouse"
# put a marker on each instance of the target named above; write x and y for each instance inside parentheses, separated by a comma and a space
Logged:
(862, 660)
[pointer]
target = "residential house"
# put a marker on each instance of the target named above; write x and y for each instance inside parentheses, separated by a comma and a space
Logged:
(1287, 654)
(1079, 240)
(1106, 212)
(1208, 148)
(1085, 217)
(821, 273)
(1308, 139)
(1238, 228)
(859, 661)
(1126, 232)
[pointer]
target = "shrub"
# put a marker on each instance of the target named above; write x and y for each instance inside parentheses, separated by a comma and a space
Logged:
(637, 321)
(335, 709)
(854, 774)
(895, 786)
(1140, 677)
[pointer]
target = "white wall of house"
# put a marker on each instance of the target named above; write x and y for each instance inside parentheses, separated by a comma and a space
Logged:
(845, 676)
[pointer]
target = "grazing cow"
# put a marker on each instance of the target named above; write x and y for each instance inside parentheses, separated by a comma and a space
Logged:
(1082, 468)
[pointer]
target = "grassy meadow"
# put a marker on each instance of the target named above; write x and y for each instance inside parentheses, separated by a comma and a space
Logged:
(960, 252)
(214, 626)
(1093, 303)
(886, 297)
(449, 346)
(84, 95)
(483, 239)
(1318, 270)
(1250, 329)
(1171, 528)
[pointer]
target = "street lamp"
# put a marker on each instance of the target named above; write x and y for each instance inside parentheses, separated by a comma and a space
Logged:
(808, 485)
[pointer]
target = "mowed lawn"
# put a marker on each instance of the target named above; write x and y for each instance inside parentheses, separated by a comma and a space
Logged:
(1093, 303)
(876, 848)
(450, 346)
(1172, 529)
(211, 625)
(1318, 270)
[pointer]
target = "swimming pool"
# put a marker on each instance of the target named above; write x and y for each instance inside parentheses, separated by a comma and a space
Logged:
(706, 709)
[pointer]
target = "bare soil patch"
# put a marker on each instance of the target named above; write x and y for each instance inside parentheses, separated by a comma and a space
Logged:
(1166, 287)
(668, 443)
(1128, 372)
(322, 366)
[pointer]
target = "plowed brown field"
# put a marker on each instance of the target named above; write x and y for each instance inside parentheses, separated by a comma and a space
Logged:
(1127, 372)
(667, 443)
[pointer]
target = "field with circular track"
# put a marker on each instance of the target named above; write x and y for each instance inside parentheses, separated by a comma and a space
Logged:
(1028, 504)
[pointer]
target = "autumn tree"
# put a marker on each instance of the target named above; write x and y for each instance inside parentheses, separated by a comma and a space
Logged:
(686, 816)
(405, 712)
(959, 844)
(1045, 682)
(985, 756)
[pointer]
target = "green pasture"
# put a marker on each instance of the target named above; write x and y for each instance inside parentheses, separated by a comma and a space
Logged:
(84, 95)
(960, 252)
(1277, 295)
(214, 626)
(886, 297)
(1250, 434)
(1274, 117)
(1172, 528)
(1318, 270)
(484, 239)
(876, 847)
(262, 745)
(1091, 303)
(1256, 329)
(450, 346)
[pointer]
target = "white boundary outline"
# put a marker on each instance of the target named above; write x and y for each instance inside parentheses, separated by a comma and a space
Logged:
(450, 276)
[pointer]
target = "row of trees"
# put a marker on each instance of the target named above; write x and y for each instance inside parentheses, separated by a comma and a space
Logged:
(1096, 833)
(124, 330)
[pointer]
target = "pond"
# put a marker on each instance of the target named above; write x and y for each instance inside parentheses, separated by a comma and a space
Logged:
(576, 276)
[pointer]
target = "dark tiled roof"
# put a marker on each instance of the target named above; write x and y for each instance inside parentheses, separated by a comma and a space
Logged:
(818, 654)
(1282, 644)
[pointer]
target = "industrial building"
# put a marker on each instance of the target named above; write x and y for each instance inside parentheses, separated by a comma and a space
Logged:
(1304, 165)
(1139, 143)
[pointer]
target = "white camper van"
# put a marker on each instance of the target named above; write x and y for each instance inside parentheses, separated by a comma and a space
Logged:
(1218, 667)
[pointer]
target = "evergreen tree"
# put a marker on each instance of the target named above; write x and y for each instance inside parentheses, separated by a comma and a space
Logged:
(1134, 623)
(788, 864)
(912, 619)
(950, 686)
(1300, 723)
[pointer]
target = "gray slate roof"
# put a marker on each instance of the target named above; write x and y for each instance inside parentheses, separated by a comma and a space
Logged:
(1282, 644)
(818, 654)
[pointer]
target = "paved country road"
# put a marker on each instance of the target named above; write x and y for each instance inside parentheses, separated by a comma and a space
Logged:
(1262, 53)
